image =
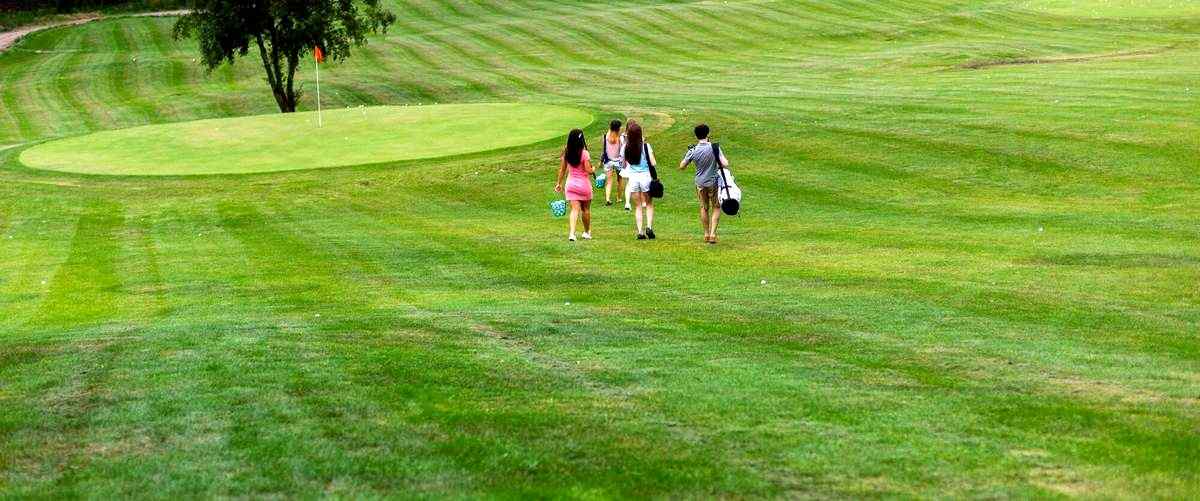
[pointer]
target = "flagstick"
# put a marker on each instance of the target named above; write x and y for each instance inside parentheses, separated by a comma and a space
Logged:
(317, 65)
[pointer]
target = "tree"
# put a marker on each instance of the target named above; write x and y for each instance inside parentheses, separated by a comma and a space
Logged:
(283, 31)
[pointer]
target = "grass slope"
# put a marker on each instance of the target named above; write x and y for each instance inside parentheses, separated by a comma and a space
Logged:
(1118, 8)
(279, 142)
(979, 282)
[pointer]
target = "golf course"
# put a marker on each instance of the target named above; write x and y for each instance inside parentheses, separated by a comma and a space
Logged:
(967, 263)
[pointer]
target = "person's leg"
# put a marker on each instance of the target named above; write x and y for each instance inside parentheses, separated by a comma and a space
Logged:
(621, 189)
(608, 184)
(574, 216)
(637, 211)
(628, 193)
(649, 211)
(587, 216)
(700, 195)
(715, 214)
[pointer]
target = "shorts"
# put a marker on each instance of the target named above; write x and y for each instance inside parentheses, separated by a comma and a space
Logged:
(708, 196)
(639, 182)
(613, 165)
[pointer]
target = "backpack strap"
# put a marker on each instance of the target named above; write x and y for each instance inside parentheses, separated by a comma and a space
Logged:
(716, 147)
(646, 154)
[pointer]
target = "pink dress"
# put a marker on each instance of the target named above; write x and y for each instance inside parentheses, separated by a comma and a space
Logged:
(578, 186)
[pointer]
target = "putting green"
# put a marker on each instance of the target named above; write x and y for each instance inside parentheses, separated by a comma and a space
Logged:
(281, 142)
(1117, 8)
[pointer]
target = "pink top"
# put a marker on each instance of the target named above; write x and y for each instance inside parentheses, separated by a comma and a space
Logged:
(613, 150)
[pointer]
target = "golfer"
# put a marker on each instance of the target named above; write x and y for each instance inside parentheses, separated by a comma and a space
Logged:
(639, 156)
(576, 166)
(614, 154)
(707, 172)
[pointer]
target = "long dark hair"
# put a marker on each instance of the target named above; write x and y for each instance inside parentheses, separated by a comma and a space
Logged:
(576, 145)
(633, 143)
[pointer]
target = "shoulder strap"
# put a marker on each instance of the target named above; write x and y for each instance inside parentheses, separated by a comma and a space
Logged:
(721, 168)
(646, 154)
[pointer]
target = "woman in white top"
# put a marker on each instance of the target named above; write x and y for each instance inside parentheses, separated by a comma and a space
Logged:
(613, 156)
(639, 156)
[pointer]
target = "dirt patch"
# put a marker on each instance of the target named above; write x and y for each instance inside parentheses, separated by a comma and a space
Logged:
(1081, 387)
(991, 63)
(1063, 481)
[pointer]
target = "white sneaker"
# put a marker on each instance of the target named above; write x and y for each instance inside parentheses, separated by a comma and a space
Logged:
(587, 236)
(571, 238)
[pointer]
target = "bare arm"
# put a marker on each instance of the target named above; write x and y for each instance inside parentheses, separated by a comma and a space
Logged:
(724, 161)
(587, 165)
(562, 172)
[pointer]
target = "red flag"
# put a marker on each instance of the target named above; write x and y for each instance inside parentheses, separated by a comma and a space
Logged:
(318, 55)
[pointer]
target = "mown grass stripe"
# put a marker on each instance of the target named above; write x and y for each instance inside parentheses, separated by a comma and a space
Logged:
(42, 98)
(20, 127)
(445, 57)
(124, 71)
(19, 87)
(83, 290)
(70, 80)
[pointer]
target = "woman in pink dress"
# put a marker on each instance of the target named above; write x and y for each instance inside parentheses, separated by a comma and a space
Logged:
(576, 166)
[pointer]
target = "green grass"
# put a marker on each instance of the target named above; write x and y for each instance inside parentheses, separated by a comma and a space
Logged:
(979, 282)
(280, 142)
(1118, 8)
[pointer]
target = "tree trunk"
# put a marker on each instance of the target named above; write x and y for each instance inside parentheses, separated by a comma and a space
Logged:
(285, 96)
(293, 60)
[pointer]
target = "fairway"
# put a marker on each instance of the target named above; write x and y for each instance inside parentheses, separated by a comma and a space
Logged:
(279, 142)
(1167, 9)
(966, 264)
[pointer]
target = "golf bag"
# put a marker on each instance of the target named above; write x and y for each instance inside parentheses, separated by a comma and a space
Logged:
(727, 192)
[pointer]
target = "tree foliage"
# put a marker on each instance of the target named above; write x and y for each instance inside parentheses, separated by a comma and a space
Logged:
(283, 32)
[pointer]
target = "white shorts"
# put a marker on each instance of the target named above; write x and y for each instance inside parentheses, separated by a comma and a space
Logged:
(639, 182)
(612, 165)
